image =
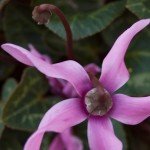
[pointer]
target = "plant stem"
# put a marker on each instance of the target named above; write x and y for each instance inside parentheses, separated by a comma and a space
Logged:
(42, 11)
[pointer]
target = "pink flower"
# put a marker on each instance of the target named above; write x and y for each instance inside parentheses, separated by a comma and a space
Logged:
(68, 89)
(66, 141)
(59, 86)
(56, 84)
(97, 100)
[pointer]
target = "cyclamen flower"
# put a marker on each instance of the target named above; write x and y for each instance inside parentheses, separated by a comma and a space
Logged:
(59, 86)
(65, 140)
(97, 100)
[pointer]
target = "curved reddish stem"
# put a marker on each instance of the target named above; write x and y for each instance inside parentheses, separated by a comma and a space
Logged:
(42, 13)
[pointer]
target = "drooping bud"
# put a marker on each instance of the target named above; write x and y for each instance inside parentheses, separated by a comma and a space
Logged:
(42, 13)
(41, 16)
(98, 100)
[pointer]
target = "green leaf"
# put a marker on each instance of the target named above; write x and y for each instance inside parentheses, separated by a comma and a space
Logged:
(89, 23)
(71, 6)
(141, 8)
(138, 85)
(8, 87)
(26, 105)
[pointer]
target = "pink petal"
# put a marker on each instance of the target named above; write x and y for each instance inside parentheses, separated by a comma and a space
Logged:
(57, 143)
(57, 85)
(35, 52)
(71, 142)
(114, 72)
(60, 117)
(68, 89)
(101, 135)
(130, 110)
(17, 52)
(93, 68)
(67, 70)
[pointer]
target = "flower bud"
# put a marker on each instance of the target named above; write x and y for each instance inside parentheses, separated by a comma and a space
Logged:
(41, 16)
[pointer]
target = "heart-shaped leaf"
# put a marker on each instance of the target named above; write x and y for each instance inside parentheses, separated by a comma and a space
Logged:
(7, 89)
(26, 106)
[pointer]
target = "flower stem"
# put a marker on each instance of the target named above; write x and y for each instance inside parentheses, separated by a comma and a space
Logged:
(42, 13)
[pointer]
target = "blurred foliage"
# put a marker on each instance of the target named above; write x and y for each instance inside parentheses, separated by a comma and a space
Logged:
(139, 7)
(7, 90)
(96, 24)
(95, 21)
(6, 69)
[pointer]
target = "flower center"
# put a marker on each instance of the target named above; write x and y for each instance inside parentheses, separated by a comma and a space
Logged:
(98, 101)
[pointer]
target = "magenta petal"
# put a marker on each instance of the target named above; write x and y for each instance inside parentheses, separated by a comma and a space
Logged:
(66, 140)
(114, 72)
(93, 68)
(35, 52)
(60, 117)
(67, 70)
(57, 144)
(130, 110)
(101, 135)
(68, 89)
(71, 142)
(57, 85)
(17, 52)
